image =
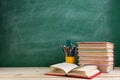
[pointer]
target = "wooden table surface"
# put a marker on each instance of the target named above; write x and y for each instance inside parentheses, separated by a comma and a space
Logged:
(37, 73)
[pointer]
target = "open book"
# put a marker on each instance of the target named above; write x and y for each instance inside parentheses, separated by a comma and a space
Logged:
(72, 70)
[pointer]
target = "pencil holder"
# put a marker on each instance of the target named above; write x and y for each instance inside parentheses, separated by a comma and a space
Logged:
(70, 59)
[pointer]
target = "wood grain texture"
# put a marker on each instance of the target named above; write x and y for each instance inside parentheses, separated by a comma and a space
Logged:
(37, 73)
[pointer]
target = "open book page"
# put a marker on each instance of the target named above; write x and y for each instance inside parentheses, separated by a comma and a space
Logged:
(85, 68)
(83, 74)
(86, 71)
(67, 67)
(56, 71)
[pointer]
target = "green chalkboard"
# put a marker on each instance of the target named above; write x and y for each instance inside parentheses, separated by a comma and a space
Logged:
(32, 31)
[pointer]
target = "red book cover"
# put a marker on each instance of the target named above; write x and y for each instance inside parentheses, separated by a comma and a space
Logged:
(75, 76)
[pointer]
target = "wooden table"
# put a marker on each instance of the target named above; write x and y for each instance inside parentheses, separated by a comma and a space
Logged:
(37, 73)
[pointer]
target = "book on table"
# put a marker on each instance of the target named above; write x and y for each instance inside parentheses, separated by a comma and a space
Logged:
(96, 53)
(106, 68)
(94, 49)
(95, 62)
(96, 44)
(96, 58)
(73, 70)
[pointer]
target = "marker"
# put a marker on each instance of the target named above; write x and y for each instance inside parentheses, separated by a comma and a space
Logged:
(68, 50)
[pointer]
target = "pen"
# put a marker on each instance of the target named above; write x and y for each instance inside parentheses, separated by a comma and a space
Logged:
(68, 50)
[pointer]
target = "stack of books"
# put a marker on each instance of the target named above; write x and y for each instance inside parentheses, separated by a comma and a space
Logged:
(97, 53)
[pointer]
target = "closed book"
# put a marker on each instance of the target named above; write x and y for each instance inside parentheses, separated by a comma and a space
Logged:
(106, 68)
(97, 58)
(94, 48)
(96, 54)
(95, 62)
(96, 44)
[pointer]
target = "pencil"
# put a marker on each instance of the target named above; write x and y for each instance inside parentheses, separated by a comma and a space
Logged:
(65, 51)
